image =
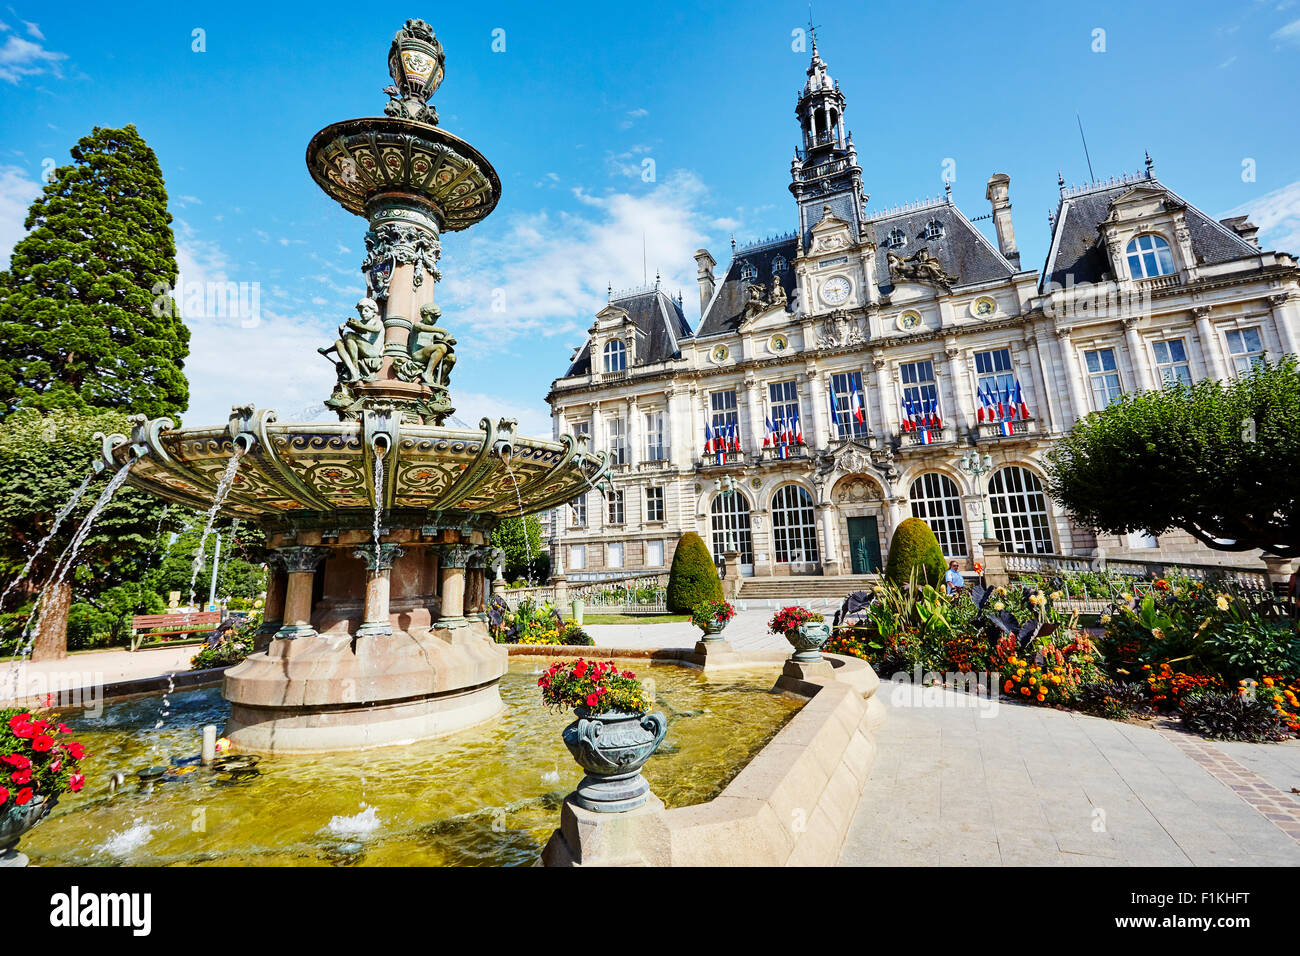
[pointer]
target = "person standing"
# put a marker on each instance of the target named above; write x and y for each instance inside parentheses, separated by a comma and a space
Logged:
(952, 580)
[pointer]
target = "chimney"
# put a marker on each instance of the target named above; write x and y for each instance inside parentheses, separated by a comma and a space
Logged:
(704, 275)
(1243, 227)
(997, 194)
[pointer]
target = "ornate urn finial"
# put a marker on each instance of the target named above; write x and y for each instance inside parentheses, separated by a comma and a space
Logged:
(417, 64)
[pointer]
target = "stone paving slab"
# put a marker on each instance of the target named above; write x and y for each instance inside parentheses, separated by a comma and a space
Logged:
(1028, 786)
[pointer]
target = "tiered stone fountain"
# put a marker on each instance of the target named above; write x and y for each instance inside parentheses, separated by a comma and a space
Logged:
(378, 524)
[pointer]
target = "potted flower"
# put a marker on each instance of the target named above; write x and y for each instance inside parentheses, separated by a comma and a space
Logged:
(613, 736)
(711, 617)
(807, 632)
(39, 760)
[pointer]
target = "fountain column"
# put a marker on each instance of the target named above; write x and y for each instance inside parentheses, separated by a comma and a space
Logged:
(476, 584)
(301, 563)
(379, 564)
(452, 568)
(277, 582)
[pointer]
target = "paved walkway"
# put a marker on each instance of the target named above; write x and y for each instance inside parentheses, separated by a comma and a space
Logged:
(92, 669)
(1034, 786)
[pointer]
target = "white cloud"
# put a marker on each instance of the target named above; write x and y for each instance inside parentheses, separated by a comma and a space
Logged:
(16, 194)
(1289, 33)
(1278, 216)
(20, 57)
(547, 273)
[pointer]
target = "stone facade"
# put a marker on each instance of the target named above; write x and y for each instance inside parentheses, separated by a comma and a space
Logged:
(868, 309)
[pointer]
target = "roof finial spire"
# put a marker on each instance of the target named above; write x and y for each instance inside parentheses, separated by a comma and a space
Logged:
(1060, 182)
(947, 190)
(609, 291)
(1150, 165)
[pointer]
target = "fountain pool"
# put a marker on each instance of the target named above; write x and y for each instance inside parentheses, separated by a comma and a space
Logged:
(487, 796)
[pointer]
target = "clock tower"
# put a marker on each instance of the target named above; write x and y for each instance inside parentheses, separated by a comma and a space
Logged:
(825, 169)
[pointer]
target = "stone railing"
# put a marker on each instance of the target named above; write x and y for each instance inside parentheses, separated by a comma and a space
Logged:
(1139, 570)
(938, 436)
(632, 592)
(993, 430)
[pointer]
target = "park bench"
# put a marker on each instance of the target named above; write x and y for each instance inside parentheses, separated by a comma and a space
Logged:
(184, 622)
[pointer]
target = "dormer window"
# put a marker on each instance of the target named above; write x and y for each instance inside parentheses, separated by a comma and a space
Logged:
(1149, 256)
(779, 264)
(934, 229)
(748, 273)
(896, 239)
(615, 356)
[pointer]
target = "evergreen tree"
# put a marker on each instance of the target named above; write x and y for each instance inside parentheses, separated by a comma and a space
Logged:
(86, 313)
(521, 540)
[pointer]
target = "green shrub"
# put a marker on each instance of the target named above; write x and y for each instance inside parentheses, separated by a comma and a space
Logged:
(692, 578)
(1112, 699)
(915, 546)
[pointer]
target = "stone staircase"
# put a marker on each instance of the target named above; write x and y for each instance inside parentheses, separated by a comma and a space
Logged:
(799, 589)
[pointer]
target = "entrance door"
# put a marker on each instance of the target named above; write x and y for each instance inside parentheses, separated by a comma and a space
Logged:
(864, 545)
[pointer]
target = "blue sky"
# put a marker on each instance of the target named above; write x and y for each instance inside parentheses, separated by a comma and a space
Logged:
(580, 98)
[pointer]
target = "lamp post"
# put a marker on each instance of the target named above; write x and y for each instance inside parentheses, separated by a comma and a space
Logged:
(978, 467)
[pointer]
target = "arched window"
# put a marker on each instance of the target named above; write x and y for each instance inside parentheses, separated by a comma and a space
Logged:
(936, 501)
(615, 355)
(729, 519)
(1019, 510)
(1149, 256)
(747, 272)
(896, 239)
(794, 526)
(934, 229)
(779, 264)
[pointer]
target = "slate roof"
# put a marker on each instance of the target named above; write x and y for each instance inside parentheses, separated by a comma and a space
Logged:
(963, 250)
(723, 313)
(658, 316)
(1077, 248)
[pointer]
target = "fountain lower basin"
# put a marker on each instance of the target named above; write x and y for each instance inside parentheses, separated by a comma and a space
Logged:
(488, 796)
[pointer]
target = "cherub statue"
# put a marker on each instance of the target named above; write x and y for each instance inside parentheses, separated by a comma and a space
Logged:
(360, 345)
(437, 354)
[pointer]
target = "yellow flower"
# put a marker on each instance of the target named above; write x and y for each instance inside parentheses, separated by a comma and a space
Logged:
(1105, 619)
(999, 606)
(1126, 596)
(1057, 595)
(1222, 603)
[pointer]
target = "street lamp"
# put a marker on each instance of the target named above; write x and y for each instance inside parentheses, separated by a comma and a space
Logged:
(726, 488)
(978, 467)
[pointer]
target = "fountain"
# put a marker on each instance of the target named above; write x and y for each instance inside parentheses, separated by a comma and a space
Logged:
(375, 623)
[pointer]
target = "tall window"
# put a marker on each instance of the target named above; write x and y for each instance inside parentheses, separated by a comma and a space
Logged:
(615, 355)
(936, 501)
(794, 526)
(729, 520)
(784, 399)
(654, 554)
(577, 557)
(654, 504)
(617, 442)
(614, 555)
(1019, 511)
(917, 379)
(616, 507)
(1246, 347)
(654, 437)
(993, 371)
(1171, 362)
(748, 273)
(580, 511)
(723, 405)
(1103, 377)
(581, 429)
(1149, 256)
(844, 385)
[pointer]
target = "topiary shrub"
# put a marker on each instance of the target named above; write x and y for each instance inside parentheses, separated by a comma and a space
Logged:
(692, 578)
(915, 546)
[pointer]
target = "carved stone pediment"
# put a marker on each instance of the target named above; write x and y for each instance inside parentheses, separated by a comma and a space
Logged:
(830, 234)
(759, 300)
(857, 457)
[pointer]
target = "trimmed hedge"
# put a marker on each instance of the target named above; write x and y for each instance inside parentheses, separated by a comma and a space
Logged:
(692, 577)
(915, 546)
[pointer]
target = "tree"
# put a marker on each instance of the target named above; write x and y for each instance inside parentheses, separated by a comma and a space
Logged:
(914, 546)
(521, 540)
(43, 460)
(692, 577)
(86, 312)
(1217, 460)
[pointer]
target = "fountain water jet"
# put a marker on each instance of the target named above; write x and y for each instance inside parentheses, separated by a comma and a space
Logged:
(54, 528)
(378, 525)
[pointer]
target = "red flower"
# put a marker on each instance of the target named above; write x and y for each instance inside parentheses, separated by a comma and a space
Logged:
(42, 743)
(17, 719)
(64, 729)
(4, 795)
(21, 776)
(17, 760)
(76, 782)
(24, 796)
(593, 700)
(23, 730)
(40, 726)
(56, 765)
(76, 750)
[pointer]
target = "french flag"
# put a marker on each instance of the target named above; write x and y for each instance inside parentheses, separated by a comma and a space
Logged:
(997, 390)
(768, 434)
(835, 408)
(909, 422)
(855, 406)
(1020, 401)
(1004, 427)
(925, 436)
(734, 432)
(984, 403)
(708, 439)
(798, 428)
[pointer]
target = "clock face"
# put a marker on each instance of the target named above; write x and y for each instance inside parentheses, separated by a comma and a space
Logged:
(835, 290)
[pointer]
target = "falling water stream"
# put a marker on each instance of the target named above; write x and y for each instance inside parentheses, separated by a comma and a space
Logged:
(218, 499)
(379, 495)
(54, 528)
(32, 629)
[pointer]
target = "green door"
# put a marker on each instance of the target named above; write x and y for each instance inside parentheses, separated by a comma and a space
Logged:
(864, 545)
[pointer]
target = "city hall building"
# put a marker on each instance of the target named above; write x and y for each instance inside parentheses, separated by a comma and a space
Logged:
(895, 342)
